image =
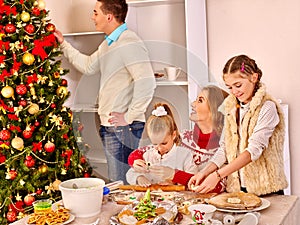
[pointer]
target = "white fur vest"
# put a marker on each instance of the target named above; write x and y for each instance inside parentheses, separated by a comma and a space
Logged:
(266, 174)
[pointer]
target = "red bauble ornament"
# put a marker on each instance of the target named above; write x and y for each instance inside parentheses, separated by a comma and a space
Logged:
(21, 89)
(10, 28)
(39, 191)
(11, 216)
(36, 11)
(27, 134)
(2, 158)
(37, 123)
(5, 135)
(22, 102)
(49, 147)
(12, 174)
(86, 174)
(28, 200)
(53, 106)
(29, 161)
(82, 160)
(17, 206)
(64, 82)
(50, 27)
(29, 28)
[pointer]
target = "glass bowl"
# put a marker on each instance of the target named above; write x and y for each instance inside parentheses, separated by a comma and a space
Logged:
(43, 205)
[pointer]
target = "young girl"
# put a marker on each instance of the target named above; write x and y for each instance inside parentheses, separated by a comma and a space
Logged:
(164, 156)
(253, 135)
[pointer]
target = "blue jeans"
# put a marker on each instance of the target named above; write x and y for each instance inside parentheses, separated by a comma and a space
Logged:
(118, 143)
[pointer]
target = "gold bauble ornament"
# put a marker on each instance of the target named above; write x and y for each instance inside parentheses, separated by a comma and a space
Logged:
(41, 4)
(56, 184)
(28, 58)
(33, 108)
(17, 143)
(61, 91)
(43, 168)
(7, 92)
(25, 16)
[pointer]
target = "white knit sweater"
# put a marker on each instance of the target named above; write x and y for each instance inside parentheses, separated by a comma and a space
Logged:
(127, 80)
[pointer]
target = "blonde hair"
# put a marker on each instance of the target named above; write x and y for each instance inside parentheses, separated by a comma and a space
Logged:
(215, 97)
(163, 124)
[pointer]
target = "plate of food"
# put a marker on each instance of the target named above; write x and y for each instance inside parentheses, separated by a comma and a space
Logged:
(239, 202)
(145, 212)
(59, 216)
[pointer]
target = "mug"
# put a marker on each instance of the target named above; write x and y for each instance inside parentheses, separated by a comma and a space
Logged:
(172, 72)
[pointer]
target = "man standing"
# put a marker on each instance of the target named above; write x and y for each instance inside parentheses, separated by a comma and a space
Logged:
(127, 83)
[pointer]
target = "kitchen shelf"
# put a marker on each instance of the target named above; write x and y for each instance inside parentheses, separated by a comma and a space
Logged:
(84, 108)
(137, 3)
(170, 83)
(82, 33)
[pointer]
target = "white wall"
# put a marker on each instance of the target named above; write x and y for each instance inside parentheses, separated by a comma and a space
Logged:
(269, 32)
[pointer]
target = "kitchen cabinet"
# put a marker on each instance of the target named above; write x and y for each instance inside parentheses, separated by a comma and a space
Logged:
(174, 31)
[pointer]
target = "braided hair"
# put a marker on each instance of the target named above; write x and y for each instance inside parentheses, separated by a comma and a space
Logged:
(245, 65)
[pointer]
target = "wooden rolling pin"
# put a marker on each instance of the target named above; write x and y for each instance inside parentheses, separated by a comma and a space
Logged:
(153, 187)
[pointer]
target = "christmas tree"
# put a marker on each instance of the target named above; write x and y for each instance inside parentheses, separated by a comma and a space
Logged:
(38, 147)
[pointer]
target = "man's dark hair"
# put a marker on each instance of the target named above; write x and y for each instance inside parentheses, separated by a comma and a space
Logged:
(118, 8)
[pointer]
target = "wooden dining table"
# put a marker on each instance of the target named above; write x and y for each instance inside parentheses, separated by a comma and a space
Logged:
(283, 210)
